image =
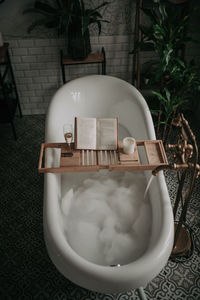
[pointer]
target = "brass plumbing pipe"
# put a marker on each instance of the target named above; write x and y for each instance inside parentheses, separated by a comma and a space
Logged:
(162, 168)
(175, 167)
(183, 151)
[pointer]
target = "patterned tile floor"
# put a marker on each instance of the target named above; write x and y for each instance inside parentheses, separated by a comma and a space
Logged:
(26, 271)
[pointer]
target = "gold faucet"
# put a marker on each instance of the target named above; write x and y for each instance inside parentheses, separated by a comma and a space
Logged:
(177, 167)
(185, 157)
(182, 151)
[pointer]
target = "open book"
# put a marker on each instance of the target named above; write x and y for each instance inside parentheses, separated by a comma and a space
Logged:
(96, 133)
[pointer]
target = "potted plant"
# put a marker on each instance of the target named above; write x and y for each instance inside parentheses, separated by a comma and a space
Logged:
(70, 18)
(177, 79)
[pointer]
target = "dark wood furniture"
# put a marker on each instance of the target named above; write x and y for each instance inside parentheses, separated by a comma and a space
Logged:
(93, 58)
(9, 99)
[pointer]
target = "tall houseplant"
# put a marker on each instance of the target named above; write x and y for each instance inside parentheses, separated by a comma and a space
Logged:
(70, 18)
(177, 79)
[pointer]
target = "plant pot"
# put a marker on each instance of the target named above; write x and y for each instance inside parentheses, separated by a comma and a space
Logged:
(79, 45)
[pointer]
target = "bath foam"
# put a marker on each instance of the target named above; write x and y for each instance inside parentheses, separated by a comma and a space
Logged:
(105, 217)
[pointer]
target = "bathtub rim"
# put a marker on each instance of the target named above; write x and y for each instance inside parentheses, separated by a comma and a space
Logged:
(132, 275)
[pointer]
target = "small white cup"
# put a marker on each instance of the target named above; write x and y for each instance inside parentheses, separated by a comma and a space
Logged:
(129, 145)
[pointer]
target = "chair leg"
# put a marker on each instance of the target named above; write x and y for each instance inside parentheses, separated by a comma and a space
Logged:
(14, 131)
(141, 293)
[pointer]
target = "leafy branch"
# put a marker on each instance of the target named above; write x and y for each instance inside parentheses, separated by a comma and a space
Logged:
(178, 80)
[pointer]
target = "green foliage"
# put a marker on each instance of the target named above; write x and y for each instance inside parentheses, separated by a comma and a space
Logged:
(59, 14)
(91, 16)
(6, 88)
(69, 18)
(166, 35)
(55, 14)
(169, 102)
(178, 80)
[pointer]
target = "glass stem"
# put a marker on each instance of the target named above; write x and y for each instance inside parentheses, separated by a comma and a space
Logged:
(69, 146)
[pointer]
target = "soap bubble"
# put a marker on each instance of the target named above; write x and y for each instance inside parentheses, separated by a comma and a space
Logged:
(105, 218)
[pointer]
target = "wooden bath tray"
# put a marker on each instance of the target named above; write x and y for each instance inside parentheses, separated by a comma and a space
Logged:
(93, 160)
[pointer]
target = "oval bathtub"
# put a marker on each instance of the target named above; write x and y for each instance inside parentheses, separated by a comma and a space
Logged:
(104, 96)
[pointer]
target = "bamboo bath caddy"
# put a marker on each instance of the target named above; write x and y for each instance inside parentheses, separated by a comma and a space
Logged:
(113, 160)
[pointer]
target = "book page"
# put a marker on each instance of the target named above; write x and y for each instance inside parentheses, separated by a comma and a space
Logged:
(107, 134)
(86, 133)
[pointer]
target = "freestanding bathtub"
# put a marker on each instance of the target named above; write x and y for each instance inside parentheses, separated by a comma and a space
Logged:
(104, 96)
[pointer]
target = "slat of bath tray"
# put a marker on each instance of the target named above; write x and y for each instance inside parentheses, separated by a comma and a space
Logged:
(94, 160)
(155, 152)
(107, 157)
(155, 155)
(67, 164)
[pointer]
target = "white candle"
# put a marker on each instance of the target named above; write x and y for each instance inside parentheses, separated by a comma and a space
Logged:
(128, 145)
(1, 40)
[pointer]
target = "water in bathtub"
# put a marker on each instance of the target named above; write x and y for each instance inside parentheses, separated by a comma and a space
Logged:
(104, 216)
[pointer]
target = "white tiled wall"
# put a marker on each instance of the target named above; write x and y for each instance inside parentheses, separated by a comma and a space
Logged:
(36, 66)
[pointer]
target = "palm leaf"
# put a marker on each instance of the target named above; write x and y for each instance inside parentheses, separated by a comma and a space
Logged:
(162, 11)
(101, 5)
(61, 13)
(42, 6)
(39, 22)
(34, 10)
(160, 96)
(82, 6)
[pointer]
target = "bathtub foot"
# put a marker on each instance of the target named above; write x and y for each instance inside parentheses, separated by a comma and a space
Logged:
(141, 293)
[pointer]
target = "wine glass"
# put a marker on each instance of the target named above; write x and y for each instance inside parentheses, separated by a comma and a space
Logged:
(68, 134)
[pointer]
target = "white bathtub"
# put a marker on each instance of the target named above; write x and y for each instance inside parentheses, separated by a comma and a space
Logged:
(104, 96)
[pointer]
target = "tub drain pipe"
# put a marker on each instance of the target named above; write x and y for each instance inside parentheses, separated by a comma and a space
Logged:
(141, 293)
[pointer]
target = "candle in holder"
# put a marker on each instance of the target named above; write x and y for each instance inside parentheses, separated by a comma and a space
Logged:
(129, 145)
(1, 40)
